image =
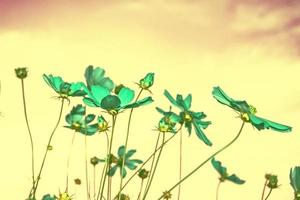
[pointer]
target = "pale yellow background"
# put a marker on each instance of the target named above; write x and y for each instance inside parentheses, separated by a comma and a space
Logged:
(191, 47)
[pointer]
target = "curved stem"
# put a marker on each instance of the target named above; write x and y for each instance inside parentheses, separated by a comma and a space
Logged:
(48, 145)
(180, 165)
(268, 194)
(264, 189)
(108, 165)
(147, 160)
(126, 141)
(139, 196)
(29, 132)
(155, 167)
(153, 160)
(217, 192)
(86, 168)
(104, 167)
(68, 162)
(208, 159)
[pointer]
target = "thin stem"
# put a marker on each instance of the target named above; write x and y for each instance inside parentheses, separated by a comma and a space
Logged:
(145, 162)
(269, 194)
(264, 189)
(180, 164)
(153, 160)
(155, 167)
(141, 188)
(68, 162)
(86, 169)
(208, 159)
(114, 118)
(94, 182)
(104, 167)
(217, 192)
(29, 131)
(48, 145)
(126, 141)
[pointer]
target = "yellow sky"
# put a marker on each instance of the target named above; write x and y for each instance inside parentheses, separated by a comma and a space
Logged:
(249, 50)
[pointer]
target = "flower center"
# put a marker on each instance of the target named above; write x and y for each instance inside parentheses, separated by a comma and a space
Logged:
(187, 117)
(76, 126)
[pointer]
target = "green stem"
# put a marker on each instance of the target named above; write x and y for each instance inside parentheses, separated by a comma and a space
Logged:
(139, 196)
(48, 145)
(104, 168)
(68, 162)
(264, 189)
(268, 194)
(29, 132)
(180, 165)
(153, 160)
(108, 164)
(155, 167)
(208, 159)
(217, 192)
(94, 182)
(86, 169)
(126, 141)
(145, 162)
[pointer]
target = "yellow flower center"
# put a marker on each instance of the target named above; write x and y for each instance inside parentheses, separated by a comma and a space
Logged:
(187, 117)
(76, 126)
(64, 196)
(103, 126)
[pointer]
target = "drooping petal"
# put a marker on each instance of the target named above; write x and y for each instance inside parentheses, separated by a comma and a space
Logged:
(125, 95)
(77, 89)
(261, 123)
(233, 178)
(112, 170)
(201, 135)
(53, 82)
(218, 166)
(188, 125)
(142, 102)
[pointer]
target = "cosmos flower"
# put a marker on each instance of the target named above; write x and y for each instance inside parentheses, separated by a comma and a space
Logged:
(118, 161)
(95, 76)
(223, 173)
(247, 112)
(189, 118)
(168, 122)
(295, 181)
(80, 122)
(64, 89)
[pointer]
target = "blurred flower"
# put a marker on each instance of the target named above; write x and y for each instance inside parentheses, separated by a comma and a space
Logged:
(146, 82)
(64, 196)
(21, 72)
(64, 89)
(295, 181)
(167, 195)
(79, 121)
(124, 197)
(247, 112)
(223, 173)
(113, 103)
(187, 117)
(96, 77)
(118, 161)
(102, 124)
(49, 197)
(168, 122)
(77, 181)
(272, 181)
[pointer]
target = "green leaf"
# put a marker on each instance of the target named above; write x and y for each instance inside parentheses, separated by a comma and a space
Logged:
(261, 123)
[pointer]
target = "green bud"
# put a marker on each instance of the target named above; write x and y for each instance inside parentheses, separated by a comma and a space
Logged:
(272, 181)
(124, 197)
(147, 81)
(94, 160)
(143, 173)
(167, 195)
(21, 72)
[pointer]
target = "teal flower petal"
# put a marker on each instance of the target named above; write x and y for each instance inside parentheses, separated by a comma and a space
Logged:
(53, 82)
(171, 99)
(201, 135)
(131, 165)
(188, 101)
(110, 102)
(98, 93)
(107, 83)
(91, 102)
(125, 95)
(233, 178)
(121, 151)
(48, 197)
(295, 178)
(112, 170)
(124, 173)
(261, 123)
(218, 167)
(139, 103)
(189, 127)
(89, 118)
(130, 153)
(96, 77)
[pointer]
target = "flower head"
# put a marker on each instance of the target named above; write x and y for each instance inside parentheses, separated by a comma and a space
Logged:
(118, 161)
(168, 122)
(111, 102)
(64, 196)
(189, 118)
(21, 72)
(272, 181)
(247, 112)
(167, 195)
(295, 181)
(223, 173)
(102, 124)
(94, 161)
(146, 82)
(80, 122)
(95, 76)
(143, 173)
(64, 89)
(49, 197)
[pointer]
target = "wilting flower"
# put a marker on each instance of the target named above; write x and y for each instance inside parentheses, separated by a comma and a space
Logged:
(247, 112)
(272, 181)
(295, 181)
(118, 161)
(21, 72)
(96, 77)
(64, 89)
(188, 117)
(146, 82)
(113, 103)
(80, 122)
(223, 173)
